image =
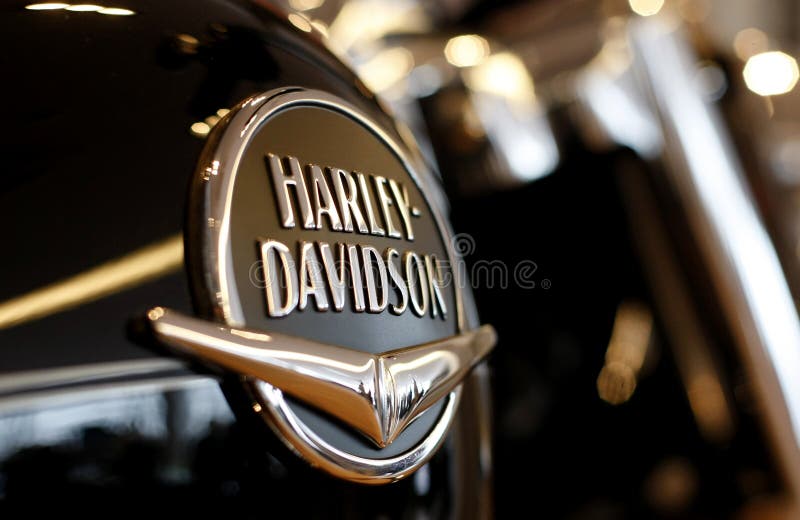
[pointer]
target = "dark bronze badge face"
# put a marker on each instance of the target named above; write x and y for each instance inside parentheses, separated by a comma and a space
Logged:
(327, 280)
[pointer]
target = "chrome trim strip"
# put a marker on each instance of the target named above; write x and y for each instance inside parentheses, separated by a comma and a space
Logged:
(43, 399)
(378, 395)
(37, 380)
(135, 268)
(706, 173)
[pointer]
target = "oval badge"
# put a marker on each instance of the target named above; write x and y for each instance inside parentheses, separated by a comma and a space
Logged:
(328, 282)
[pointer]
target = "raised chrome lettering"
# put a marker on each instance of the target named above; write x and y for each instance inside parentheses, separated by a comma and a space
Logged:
(355, 278)
(434, 282)
(374, 228)
(281, 182)
(401, 201)
(323, 199)
(397, 281)
(280, 284)
(385, 201)
(334, 270)
(373, 262)
(311, 282)
(348, 204)
(417, 284)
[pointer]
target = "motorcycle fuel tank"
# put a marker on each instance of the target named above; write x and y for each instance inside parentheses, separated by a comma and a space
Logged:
(207, 180)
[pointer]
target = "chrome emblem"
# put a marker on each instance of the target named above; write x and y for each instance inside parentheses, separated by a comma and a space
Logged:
(376, 395)
(326, 280)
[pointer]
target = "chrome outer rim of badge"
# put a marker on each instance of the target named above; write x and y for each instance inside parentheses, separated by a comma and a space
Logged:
(298, 437)
(366, 386)
(220, 162)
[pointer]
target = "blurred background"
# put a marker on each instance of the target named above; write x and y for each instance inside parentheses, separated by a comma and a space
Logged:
(623, 178)
(642, 159)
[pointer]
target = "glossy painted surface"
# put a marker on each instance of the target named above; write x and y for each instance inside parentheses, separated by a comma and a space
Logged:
(101, 136)
(175, 447)
(100, 147)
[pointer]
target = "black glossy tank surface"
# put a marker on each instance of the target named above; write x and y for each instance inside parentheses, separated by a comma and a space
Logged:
(103, 124)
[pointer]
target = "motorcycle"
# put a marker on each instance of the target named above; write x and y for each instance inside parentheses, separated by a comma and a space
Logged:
(278, 227)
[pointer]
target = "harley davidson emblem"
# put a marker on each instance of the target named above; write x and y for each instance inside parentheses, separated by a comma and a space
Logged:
(326, 279)
(417, 279)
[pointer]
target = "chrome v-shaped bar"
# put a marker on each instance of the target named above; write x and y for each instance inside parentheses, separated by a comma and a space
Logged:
(378, 395)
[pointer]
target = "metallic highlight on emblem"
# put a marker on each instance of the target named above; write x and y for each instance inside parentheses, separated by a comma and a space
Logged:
(378, 395)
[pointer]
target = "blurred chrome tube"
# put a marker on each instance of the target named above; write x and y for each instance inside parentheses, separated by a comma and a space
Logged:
(705, 172)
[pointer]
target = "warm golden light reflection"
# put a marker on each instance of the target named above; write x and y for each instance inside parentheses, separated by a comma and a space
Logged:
(386, 68)
(646, 7)
(362, 21)
(112, 277)
(694, 11)
(749, 42)
(300, 21)
(771, 73)
(84, 8)
(630, 338)
(255, 336)
(501, 74)
(45, 7)
(156, 313)
(116, 11)
(614, 57)
(186, 43)
(466, 50)
(708, 403)
(320, 26)
(352, 23)
(671, 485)
(305, 5)
(200, 129)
